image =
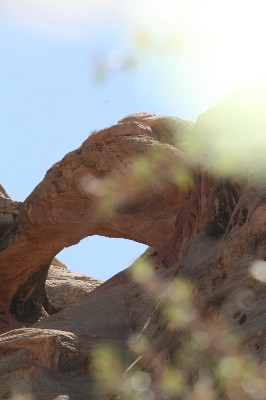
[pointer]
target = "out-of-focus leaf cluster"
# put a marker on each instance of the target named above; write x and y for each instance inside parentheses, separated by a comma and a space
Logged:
(203, 360)
(193, 357)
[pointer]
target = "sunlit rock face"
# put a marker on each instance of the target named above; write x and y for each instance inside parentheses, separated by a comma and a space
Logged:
(64, 287)
(208, 228)
(116, 184)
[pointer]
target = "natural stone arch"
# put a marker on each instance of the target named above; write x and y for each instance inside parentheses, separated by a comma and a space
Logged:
(219, 232)
(66, 206)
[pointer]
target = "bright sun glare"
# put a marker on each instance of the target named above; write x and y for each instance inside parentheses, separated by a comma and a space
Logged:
(222, 42)
(236, 31)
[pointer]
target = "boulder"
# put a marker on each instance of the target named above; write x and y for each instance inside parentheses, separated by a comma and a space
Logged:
(64, 287)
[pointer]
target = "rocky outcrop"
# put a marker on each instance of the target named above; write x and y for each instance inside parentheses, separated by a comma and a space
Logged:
(208, 229)
(64, 287)
(9, 210)
(92, 191)
(54, 356)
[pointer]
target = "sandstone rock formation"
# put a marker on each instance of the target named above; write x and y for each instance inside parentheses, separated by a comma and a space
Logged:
(64, 207)
(64, 287)
(209, 229)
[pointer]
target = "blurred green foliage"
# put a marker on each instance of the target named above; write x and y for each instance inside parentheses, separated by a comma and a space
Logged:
(205, 361)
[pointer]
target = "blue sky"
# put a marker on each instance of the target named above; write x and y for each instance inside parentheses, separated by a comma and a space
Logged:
(49, 101)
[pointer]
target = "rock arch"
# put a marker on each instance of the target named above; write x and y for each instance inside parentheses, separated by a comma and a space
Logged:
(92, 190)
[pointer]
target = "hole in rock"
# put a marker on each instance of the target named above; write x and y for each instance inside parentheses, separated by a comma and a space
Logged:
(242, 319)
(101, 257)
(236, 314)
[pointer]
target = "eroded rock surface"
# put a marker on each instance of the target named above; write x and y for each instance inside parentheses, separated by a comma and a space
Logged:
(64, 287)
(210, 233)
(74, 201)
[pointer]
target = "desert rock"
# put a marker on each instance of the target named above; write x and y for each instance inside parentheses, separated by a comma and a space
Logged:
(74, 199)
(64, 287)
(210, 232)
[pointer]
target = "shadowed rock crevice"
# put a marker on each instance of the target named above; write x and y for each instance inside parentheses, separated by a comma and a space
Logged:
(30, 303)
(221, 205)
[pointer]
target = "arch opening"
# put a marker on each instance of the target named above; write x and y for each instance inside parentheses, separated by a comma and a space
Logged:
(101, 257)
